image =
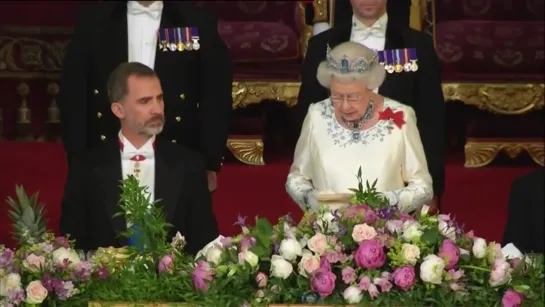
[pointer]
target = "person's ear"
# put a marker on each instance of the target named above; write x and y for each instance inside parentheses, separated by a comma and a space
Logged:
(117, 109)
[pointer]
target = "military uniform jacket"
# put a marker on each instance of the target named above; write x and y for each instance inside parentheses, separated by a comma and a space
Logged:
(196, 84)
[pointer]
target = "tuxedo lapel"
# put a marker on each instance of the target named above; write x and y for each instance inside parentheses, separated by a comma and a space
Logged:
(108, 175)
(116, 37)
(168, 179)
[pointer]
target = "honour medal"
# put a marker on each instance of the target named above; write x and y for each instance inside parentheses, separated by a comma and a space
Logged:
(414, 66)
(173, 47)
(406, 63)
(196, 45)
(389, 68)
(398, 67)
(180, 46)
(189, 46)
(407, 67)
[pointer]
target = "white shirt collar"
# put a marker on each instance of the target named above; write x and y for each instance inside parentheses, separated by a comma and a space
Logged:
(128, 147)
(154, 10)
(379, 24)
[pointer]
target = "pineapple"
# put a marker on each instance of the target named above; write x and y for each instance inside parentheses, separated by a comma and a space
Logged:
(27, 216)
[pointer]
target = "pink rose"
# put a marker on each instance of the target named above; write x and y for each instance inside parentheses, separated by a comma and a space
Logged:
(364, 283)
(165, 264)
(322, 282)
(404, 277)
(35, 292)
(355, 211)
(348, 275)
(370, 255)
(309, 263)
(332, 256)
(370, 217)
(362, 232)
(261, 279)
(34, 263)
(318, 243)
(373, 291)
(512, 299)
(501, 273)
(450, 253)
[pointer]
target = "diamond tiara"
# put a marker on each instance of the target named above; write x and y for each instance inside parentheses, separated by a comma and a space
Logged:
(359, 65)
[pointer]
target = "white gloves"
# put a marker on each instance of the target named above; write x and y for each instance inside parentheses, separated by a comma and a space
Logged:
(391, 197)
(320, 27)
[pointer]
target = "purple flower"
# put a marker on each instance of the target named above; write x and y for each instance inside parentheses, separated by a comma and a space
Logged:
(512, 299)
(16, 297)
(165, 264)
(103, 273)
(348, 275)
(241, 221)
(404, 277)
(6, 258)
(82, 271)
(370, 217)
(62, 242)
(201, 275)
(370, 255)
(450, 253)
(226, 242)
(386, 213)
(47, 282)
(322, 282)
(247, 243)
(324, 264)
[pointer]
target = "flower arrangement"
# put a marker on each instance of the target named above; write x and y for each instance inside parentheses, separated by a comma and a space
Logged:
(366, 253)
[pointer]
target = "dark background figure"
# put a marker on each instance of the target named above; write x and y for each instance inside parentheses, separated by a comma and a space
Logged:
(421, 89)
(197, 83)
(525, 216)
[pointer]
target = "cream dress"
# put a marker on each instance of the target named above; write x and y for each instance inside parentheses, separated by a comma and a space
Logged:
(327, 158)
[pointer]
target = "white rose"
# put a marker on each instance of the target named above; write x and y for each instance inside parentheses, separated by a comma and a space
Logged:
(410, 253)
(479, 248)
(309, 263)
(249, 257)
(352, 295)
(327, 223)
(431, 269)
(362, 232)
(35, 292)
(290, 249)
(213, 255)
(411, 231)
(280, 267)
(448, 232)
(61, 253)
(10, 282)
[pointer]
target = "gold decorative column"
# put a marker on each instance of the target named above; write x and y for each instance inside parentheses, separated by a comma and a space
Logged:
(53, 115)
(24, 123)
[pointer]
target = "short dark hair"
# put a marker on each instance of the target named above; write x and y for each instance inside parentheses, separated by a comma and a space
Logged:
(118, 82)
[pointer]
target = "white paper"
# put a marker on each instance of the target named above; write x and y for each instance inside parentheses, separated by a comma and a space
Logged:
(216, 242)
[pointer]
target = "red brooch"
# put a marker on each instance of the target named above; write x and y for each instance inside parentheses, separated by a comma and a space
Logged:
(394, 117)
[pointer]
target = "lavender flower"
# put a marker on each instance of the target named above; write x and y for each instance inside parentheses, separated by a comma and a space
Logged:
(226, 242)
(241, 221)
(6, 259)
(82, 271)
(16, 297)
(66, 290)
(386, 213)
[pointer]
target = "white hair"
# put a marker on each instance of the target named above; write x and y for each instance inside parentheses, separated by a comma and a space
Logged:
(373, 77)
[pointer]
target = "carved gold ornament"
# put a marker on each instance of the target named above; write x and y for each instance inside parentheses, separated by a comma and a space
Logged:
(248, 150)
(506, 98)
(479, 153)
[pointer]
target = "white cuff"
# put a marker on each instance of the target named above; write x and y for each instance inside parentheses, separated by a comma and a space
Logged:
(320, 27)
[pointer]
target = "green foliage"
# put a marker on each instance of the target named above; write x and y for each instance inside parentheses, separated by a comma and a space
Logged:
(27, 216)
(138, 209)
(368, 195)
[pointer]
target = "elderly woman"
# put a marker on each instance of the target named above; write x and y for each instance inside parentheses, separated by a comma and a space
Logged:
(357, 127)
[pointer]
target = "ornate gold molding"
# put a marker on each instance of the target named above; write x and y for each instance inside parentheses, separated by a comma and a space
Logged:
(306, 29)
(248, 150)
(248, 93)
(481, 153)
(500, 98)
(320, 11)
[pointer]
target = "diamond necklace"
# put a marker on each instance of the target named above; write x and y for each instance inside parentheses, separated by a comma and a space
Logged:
(359, 123)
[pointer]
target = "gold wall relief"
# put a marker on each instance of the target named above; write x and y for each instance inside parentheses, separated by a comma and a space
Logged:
(320, 11)
(248, 93)
(506, 98)
(479, 153)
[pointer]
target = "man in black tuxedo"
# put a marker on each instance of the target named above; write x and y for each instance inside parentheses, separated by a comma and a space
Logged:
(420, 89)
(174, 174)
(196, 75)
(524, 226)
